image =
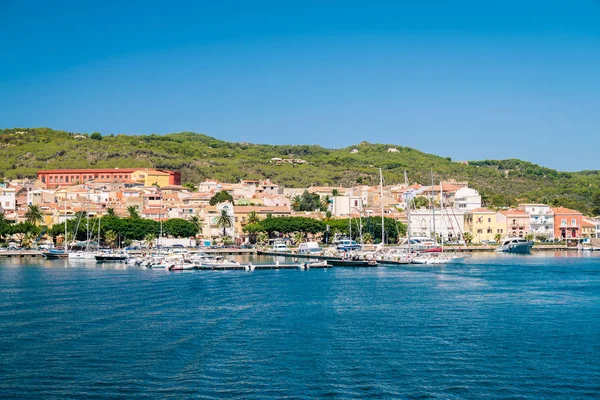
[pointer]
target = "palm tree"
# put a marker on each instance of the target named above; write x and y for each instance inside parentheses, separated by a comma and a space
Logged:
(149, 239)
(110, 237)
(253, 218)
(297, 238)
(224, 220)
(34, 214)
(262, 237)
(296, 200)
(198, 224)
(133, 212)
(2, 218)
(110, 212)
(367, 238)
(335, 192)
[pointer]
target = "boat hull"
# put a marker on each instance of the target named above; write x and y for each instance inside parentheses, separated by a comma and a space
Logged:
(516, 248)
(352, 263)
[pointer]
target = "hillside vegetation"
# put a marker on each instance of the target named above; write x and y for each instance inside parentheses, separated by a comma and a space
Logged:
(502, 183)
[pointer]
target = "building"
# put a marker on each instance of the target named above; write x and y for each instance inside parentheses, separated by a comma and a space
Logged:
(8, 200)
(588, 228)
(541, 220)
(517, 223)
(466, 199)
(68, 177)
(485, 224)
(567, 223)
(448, 224)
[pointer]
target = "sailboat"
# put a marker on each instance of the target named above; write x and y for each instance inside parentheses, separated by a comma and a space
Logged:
(54, 254)
(438, 256)
(84, 255)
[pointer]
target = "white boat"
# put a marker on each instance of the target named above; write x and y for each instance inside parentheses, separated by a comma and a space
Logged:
(82, 255)
(515, 245)
(437, 258)
(184, 265)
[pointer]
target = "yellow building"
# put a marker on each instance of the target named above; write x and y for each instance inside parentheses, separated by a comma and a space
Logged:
(151, 177)
(484, 224)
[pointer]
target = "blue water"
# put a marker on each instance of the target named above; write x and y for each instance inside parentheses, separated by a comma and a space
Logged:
(496, 327)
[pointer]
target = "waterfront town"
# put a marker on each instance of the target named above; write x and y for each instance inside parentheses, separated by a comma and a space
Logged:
(457, 214)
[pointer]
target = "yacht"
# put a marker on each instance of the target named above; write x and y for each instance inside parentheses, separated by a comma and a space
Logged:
(515, 245)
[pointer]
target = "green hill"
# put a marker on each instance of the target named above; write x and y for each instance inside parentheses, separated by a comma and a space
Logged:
(25, 150)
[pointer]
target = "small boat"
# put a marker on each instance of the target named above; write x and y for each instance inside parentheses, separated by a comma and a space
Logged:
(82, 255)
(437, 258)
(54, 254)
(515, 245)
(118, 256)
(348, 262)
(185, 265)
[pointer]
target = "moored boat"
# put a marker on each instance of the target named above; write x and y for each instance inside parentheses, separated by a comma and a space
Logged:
(515, 245)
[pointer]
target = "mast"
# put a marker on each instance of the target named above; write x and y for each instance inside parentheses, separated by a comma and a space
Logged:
(66, 240)
(407, 211)
(87, 223)
(381, 201)
(433, 209)
(160, 219)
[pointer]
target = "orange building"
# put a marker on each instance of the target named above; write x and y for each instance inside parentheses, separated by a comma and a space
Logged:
(68, 177)
(567, 223)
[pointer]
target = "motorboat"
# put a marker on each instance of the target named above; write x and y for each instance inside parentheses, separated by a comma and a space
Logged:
(184, 265)
(437, 258)
(112, 256)
(352, 262)
(54, 254)
(82, 255)
(515, 245)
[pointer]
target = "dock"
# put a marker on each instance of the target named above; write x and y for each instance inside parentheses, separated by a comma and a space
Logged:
(255, 267)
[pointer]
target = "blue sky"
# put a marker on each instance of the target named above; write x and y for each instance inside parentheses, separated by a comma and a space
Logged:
(465, 79)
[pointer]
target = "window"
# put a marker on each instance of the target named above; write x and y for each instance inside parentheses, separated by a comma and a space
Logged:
(563, 221)
(489, 220)
(479, 231)
(573, 222)
(489, 230)
(499, 230)
(66, 179)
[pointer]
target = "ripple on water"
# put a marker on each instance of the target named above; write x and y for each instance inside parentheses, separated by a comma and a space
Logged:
(495, 327)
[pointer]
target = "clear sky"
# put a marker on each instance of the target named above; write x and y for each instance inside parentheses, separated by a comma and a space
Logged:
(465, 79)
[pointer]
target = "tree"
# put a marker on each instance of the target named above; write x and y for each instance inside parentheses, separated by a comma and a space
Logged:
(34, 214)
(295, 203)
(221, 197)
(468, 237)
(497, 237)
(110, 212)
(262, 237)
(198, 224)
(421, 202)
(190, 186)
(149, 240)
(96, 136)
(253, 217)
(178, 228)
(595, 210)
(335, 192)
(224, 220)
(298, 238)
(367, 238)
(110, 237)
(133, 212)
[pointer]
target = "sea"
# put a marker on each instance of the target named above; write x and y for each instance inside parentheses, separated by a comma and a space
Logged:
(497, 326)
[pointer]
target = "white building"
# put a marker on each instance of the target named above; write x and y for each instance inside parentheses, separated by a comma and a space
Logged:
(8, 203)
(345, 205)
(449, 223)
(541, 219)
(467, 199)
